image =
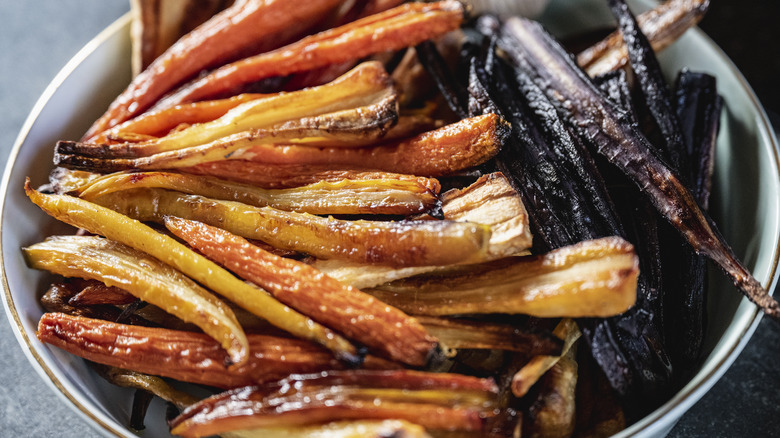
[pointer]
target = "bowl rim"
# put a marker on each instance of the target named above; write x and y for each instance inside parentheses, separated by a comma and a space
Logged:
(682, 400)
(41, 366)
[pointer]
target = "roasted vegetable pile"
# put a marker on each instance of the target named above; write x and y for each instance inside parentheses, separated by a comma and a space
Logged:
(379, 218)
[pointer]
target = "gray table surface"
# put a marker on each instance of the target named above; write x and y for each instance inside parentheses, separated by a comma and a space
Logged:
(38, 37)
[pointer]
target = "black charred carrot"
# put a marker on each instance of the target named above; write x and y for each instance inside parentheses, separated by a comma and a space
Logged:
(624, 146)
(698, 107)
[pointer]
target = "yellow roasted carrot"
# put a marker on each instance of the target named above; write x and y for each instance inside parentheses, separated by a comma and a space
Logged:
(594, 278)
(122, 229)
(379, 196)
(115, 264)
(367, 87)
(393, 243)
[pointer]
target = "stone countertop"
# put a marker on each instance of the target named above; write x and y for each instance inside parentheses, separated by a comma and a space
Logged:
(39, 37)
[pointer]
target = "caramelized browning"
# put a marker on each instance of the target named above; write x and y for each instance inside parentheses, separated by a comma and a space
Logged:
(338, 129)
(400, 27)
(378, 196)
(160, 123)
(458, 146)
(490, 200)
(401, 243)
(248, 24)
(435, 401)
(122, 229)
(364, 98)
(115, 264)
(474, 334)
(591, 278)
(161, 352)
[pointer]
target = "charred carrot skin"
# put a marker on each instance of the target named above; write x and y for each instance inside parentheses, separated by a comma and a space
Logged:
(158, 351)
(248, 24)
(359, 316)
(435, 401)
(662, 25)
(400, 27)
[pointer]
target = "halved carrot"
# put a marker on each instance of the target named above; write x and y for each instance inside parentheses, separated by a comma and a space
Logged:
(160, 123)
(270, 176)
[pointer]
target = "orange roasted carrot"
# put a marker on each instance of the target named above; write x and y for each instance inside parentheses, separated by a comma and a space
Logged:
(400, 27)
(257, 25)
(383, 329)
(160, 352)
(454, 147)
(330, 72)
(467, 143)
(159, 123)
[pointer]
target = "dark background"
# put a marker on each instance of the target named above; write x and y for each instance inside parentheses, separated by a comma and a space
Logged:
(37, 38)
(746, 401)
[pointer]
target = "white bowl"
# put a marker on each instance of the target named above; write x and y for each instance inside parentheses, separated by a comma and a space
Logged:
(747, 184)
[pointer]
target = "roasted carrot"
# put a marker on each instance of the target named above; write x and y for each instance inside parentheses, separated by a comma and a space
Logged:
(98, 293)
(385, 196)
(394, 243)
(451, 148)
(158, 24)
(256, 25)
(531, 372)
(364, 87)
(276, 177)
(329, 72)
(400, 27)
(122, 229)
(160, 123)
(467, 143)
(593, 278)
(147, 278)
(662, 26)
(490, 200)
(383, 329)
(159, 352)
(436, 401)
